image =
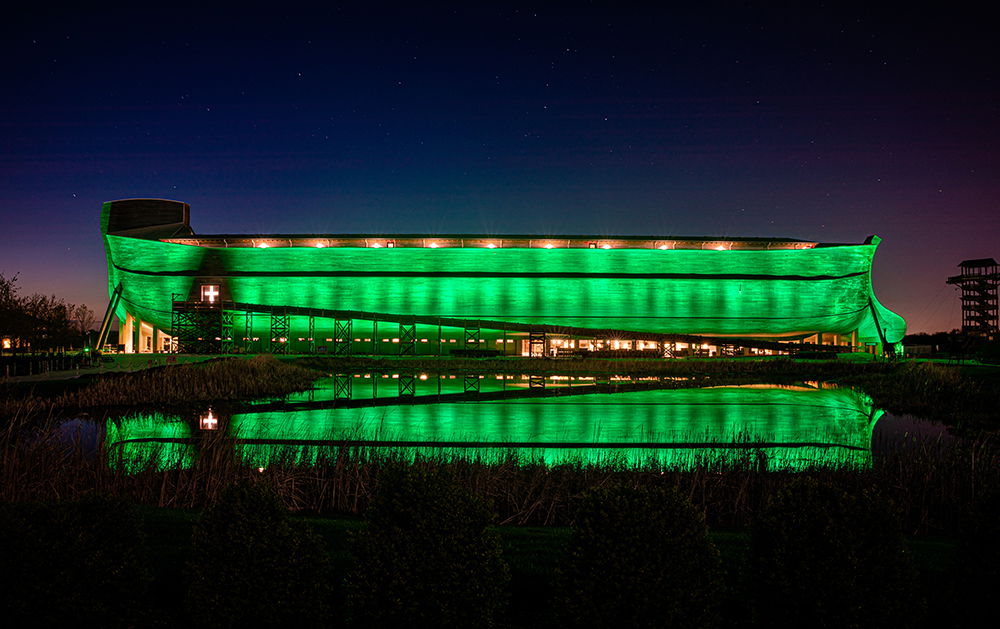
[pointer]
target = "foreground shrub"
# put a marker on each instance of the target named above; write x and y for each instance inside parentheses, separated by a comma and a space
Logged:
(639, 558)
(989, 353)
(823, 558)
(79, 563)
(427, 556)
(252, 567)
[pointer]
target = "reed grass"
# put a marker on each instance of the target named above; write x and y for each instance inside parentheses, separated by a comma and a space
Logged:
(933, 487)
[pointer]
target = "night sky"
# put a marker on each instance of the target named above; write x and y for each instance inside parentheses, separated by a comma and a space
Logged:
(821, 123)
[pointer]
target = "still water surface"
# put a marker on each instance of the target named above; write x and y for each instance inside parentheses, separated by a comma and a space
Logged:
(625, 422)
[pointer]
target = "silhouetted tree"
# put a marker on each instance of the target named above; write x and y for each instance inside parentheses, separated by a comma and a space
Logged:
(41, 321)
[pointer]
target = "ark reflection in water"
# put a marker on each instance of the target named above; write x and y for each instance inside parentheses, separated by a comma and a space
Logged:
(624, 423)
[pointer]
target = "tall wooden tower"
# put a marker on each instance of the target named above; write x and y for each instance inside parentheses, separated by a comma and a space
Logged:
(978, 280)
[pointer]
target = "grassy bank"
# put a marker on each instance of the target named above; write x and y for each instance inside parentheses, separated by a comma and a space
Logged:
(231, 379)
(960, 396)
(965, 397)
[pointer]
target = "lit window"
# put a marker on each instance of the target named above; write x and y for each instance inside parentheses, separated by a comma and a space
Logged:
(210, 293)
(593, 245)
(390, 243)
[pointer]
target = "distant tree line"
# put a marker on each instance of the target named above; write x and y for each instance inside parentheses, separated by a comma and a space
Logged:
(40, 322)
(953, 344)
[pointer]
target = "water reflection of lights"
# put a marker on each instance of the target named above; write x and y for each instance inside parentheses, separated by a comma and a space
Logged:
(795, 427)
(208, 421)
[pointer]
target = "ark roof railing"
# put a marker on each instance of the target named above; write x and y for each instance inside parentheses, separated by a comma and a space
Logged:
(479, 241)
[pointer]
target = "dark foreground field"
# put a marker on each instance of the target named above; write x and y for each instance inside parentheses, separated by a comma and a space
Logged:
(165, 589)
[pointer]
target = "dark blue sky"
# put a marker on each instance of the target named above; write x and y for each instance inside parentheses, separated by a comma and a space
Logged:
(826, 123)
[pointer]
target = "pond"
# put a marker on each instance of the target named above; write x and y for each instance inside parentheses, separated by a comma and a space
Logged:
(619, 422)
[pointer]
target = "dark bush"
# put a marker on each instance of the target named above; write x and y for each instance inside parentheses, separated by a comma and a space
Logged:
(80, 563)
(251, 566)
(639, 558)
(427, 556)
(823, 558)
(989, 353)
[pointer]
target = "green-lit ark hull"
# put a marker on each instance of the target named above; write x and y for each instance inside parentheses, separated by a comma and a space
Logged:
(748, 290)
